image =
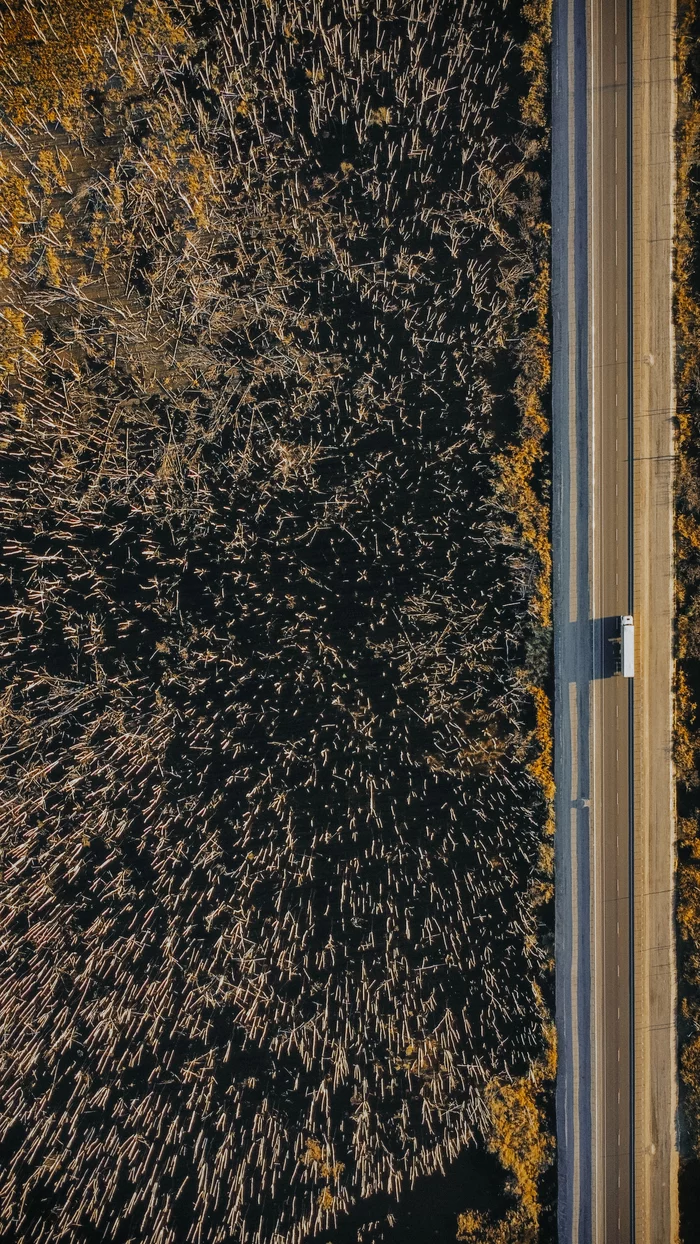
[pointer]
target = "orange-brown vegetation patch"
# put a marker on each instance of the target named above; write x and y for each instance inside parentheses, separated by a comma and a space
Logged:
(687, 550)
(50, 54)
(525, 1148)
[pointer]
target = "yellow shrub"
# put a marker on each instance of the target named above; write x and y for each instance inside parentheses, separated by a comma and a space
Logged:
(541, 767)
(518, 1138)
(51, 55)
(515, 1228)
(535, 56)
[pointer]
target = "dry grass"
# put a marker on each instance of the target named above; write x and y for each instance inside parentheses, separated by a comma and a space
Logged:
(687, 691)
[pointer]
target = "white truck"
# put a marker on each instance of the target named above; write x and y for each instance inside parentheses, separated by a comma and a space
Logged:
(627, 645)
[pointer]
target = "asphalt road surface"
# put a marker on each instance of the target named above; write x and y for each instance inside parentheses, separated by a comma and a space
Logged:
(612, 193)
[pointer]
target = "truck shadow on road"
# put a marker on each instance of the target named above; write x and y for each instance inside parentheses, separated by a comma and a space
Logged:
(601, 638)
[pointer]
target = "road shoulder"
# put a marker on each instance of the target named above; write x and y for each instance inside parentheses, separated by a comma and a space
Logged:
(656, 1097)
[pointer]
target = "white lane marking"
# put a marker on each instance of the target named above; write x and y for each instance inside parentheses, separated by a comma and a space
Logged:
(575, 1056)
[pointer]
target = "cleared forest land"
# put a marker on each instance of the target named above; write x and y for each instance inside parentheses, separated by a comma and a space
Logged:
(276, 882)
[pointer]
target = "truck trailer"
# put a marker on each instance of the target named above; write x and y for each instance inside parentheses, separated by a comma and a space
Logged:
(627, 645)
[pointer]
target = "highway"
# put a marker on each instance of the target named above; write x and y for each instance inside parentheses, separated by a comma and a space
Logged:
(612, 195)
